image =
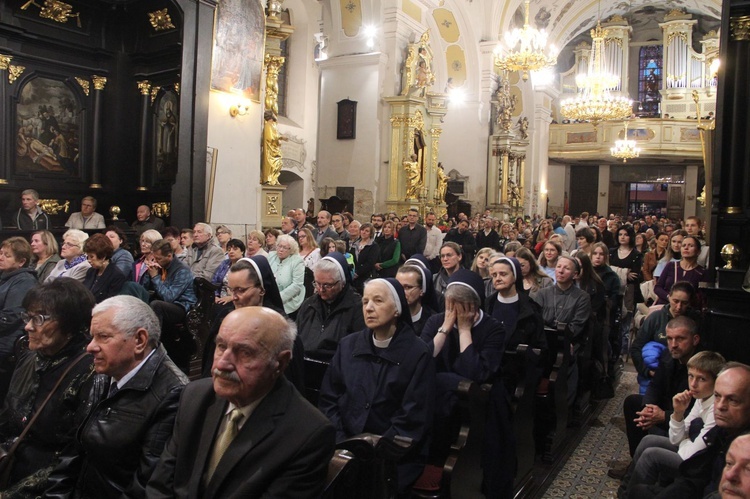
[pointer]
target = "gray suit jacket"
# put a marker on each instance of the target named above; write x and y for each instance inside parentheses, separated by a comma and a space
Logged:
(282, 450)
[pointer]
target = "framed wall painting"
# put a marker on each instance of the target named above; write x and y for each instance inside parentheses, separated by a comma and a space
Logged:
(48, 129)
(239, 44)
(347, 119)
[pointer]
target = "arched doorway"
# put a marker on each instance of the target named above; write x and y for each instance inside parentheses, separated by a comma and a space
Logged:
(294, 195)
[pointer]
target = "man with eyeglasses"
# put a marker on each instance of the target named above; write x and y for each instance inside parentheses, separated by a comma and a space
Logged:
(334, 311)
(87, 218)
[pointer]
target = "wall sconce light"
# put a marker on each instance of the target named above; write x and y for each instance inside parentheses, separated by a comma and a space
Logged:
(238, 110)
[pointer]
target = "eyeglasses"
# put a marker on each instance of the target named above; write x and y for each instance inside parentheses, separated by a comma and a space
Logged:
(69, 245)
(37, 320)
(281, 246)
(325, 286)
(239, 291)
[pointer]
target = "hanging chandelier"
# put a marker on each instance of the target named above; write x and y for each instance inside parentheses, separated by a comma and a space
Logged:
(625, 149)
(595, 102)
(525, 49)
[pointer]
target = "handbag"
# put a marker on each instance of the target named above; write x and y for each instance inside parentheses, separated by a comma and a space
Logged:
(6, 457)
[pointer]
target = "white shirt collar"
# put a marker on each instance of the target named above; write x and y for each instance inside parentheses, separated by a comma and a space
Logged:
(123, 381)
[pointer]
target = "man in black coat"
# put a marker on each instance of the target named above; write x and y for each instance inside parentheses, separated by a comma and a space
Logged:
(412, 236)
(247, 433)
(488, 238)
(135, 397)
(650, 413)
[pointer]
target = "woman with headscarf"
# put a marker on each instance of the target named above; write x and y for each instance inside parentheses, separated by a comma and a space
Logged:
(382, 379)
(417, 282)
(57, 320)
(252, 284)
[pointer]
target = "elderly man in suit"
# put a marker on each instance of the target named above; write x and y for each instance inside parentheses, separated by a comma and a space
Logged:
(247, 432)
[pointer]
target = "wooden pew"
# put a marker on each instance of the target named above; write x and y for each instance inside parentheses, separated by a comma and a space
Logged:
(551, 411)
(197, 323)
(315, 370)
(341, 478)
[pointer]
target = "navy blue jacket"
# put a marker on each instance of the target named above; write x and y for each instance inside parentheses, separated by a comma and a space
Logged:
(480, 362)
(388, 391)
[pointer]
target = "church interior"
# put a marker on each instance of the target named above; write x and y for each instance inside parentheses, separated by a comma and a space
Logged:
(234, 112)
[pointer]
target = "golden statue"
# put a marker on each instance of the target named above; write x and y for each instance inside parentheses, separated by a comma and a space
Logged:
(271, 167)
(441, 188)
(413, 177)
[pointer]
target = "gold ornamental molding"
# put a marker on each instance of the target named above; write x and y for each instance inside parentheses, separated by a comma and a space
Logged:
(161, 209)
(154, 93)
(273, 65)
(177, 88)
(99, 82)
(5, 61)
(53, 206)
(55, 10)
(144, 86)
(14, 72)
(160, 20)
(84, 85)
(739, 28)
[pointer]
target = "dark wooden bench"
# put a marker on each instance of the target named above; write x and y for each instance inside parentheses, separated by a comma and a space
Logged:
(197, 324)
(341, 478)
(315, 370)
(551, 405)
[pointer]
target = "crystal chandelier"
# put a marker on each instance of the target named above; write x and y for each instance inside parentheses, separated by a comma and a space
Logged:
(625, 149)
(525, 49)
(595, 103)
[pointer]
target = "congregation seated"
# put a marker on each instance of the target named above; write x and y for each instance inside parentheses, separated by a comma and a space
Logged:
(235, 251)
(333, 312)
(251, 284)
(203, 257)
(451, 256)
(280, 445)
(534, 278)
(57, 316)
(135, 395)
(103, 279)
(30, 216)
(87, 218)
(172, 285)
(140, 266)
(367, 254)
(650, 413)
(73, 263)
(289, 272)
(122, 258)
(687, 269)
(255, 242)
(565, 303)
(145, 220)
(382, 379)
(701, 474)
(417, 283)
(657, 458)
(45, 251)
(654, 327)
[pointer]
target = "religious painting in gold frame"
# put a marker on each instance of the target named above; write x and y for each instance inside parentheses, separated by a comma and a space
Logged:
(239, 44)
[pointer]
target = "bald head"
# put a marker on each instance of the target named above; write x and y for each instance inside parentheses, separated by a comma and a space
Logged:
(735, 481)
(732, 401)
(253, 348)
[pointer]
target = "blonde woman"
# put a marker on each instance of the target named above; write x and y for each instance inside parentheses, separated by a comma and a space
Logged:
(45, 250)
(255, 242)
(308, 247)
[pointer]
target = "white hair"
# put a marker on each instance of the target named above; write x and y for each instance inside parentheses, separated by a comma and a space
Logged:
(131, 314)
(293, 244)
(329, 266)
(206, 228)
(78, 236)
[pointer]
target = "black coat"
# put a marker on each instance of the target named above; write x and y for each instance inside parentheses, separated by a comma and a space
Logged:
(33, 379)
(365, 268)
(120, 442)
(106, 285)
(321, 326)
(466, 241)
(492, 240)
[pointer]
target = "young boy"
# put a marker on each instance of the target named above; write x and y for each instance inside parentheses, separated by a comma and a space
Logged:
(658, 458)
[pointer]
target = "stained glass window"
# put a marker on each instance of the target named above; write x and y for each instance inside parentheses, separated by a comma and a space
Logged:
(649, 80)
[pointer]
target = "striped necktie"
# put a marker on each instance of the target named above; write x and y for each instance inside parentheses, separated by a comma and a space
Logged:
(222, 443)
